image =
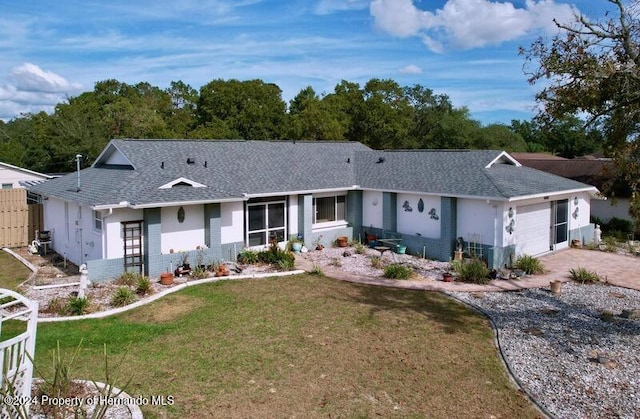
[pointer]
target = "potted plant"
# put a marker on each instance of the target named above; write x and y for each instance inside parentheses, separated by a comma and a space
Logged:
(166, 278)
(317, 243)
(342, 241)
(401, 249)
(447, 276)
(184, 268)
(295, 245)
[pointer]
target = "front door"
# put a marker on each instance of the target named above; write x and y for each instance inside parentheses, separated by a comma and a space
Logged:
(560, 230)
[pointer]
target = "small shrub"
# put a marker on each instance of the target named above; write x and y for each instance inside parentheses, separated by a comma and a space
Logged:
(473, 271)
(123, 296)
(248, 256)
(397, 271)
(529, 264)
(285, 265)
(128, 278)
(336, 262)
(56, 306)
(584, 275)
(376, 262)
(77, 306)
(199, 272)
(610, 244)
(359, 248)
(143, 286)
(316, 270)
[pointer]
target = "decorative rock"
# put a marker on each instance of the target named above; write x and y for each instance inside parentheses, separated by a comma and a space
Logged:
(630, 314)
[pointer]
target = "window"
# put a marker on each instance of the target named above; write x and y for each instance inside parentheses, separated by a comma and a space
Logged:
(97, 220)
(7, 186)
(330, 208)
(266, 221)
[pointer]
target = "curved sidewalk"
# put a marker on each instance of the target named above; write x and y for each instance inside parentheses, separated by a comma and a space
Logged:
(623, 271)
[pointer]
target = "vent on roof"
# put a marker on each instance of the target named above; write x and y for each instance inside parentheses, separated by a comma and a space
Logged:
(182, 182)
(380, 160)
(191, 160)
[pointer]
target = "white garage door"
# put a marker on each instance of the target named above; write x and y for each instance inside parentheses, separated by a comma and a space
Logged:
(533, 224)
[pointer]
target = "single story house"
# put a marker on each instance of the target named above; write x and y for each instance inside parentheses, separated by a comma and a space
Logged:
(143, 203)
(592, 170)
(13, 177)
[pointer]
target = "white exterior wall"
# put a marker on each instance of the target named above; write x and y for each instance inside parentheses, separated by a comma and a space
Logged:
(113, 243)
(292, 215)
(414, 221)
(372, 209)
(14, 177)
(187, 235)
(73, 237)
(607, 209)
(232, 222)
(479, 219)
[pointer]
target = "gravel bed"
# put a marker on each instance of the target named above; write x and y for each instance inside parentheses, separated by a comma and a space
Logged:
(576, 353)
(349, 260)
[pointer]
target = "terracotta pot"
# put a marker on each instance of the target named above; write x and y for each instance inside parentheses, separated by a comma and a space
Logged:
(342, 241)
(556, 287)
(166, 278)
(446, 277)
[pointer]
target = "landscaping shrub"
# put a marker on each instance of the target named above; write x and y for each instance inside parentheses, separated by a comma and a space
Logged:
(248, 256)
(376, 262)
(529, 264)
(359, 248)
(56, 306)
(77, 306)
(397, 271)
(584, 275)
(123, 296)
(610, 244)
(285, 265)
(143, 286)
(316, 270)
(473, 271)
(128, 278)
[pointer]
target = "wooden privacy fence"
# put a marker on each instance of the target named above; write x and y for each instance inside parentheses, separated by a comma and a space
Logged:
(18, 220)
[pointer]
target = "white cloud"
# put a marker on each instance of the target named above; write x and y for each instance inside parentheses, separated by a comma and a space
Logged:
(411, 69)
(467, 23)
(32, 89)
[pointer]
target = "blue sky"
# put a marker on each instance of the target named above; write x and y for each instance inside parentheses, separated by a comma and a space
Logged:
(467, 49)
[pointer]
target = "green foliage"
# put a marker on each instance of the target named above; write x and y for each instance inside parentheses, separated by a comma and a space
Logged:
(248, 256)
(143, 286)
(199, 272)
(276, 256)
(123, 296)
(473, 271)
(77, 306)
(56, 305)
(316, 270)
(397, 271)
(128, 279)
(610, 244)
(584, 275)
(62, 386)
(359, 248)
(376, 262)
(529, 264)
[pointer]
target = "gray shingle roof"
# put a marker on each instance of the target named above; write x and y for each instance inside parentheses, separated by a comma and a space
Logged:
(455, 173)
(236, 168)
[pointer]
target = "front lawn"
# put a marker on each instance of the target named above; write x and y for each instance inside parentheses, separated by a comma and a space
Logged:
(13, 272)
(304, 346)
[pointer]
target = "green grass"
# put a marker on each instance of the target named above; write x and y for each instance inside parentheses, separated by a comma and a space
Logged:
(305, 346)
(13, 272)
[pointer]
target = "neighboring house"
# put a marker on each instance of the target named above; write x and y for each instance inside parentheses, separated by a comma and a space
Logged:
(142, 202)
(590, 170)
(16, 177)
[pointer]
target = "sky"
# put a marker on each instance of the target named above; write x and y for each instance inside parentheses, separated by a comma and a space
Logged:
(466, 49)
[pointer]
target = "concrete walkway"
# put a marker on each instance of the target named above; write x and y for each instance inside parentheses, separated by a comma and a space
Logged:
(623, 271)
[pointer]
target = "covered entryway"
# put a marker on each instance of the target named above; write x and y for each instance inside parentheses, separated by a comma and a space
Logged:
(533, 225)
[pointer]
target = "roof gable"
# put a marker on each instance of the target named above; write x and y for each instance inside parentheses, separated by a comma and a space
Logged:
(182, 181)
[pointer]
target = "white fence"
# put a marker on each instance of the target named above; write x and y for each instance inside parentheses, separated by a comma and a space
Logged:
(16, 353)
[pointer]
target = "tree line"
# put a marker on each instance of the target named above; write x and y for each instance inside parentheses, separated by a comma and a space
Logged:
(381, 114)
